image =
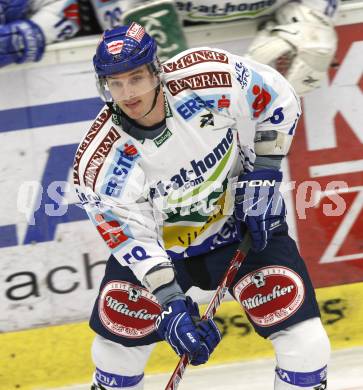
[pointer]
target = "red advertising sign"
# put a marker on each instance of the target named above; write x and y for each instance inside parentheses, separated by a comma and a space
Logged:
(326, 161)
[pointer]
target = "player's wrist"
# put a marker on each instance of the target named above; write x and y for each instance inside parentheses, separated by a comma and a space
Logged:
(161, 281)
(169, 293)
(267, 162)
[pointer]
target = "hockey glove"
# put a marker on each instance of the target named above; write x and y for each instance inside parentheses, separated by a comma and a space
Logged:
(260, 205)
(21, 41)
(175, 324)
(11, 10)
(208, 332)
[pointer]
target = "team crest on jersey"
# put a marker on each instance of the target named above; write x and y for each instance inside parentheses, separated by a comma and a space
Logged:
(271, 294)
(128, 310)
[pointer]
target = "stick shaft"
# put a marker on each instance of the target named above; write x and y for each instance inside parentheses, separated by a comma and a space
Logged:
(213, 305)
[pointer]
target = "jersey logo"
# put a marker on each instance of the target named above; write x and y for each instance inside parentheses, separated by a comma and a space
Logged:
(164, 136)
(262, 100)
(259, 95)
(90, 136)
(131, 318)
(218, 12)
(242, 73)
(191, 105)
(112, 230)
(200, 81)
(98, 158)
(207, 120)
(120, 169)
(270, 295)
(194, 58)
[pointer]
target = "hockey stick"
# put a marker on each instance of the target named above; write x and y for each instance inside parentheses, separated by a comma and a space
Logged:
(213, 305)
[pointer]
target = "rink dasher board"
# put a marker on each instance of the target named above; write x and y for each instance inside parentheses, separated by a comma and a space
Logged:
(78, 49)
(62, 356)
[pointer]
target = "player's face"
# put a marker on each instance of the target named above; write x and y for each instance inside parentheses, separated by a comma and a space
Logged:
(133, 91)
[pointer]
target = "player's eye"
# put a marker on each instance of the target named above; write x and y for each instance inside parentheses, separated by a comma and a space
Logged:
(136, 79)
(115, 84)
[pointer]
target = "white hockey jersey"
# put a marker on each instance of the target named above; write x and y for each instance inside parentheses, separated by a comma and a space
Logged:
(223, 11)
(172, 196)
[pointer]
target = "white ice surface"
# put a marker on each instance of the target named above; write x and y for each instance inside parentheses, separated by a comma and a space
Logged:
(345, 373)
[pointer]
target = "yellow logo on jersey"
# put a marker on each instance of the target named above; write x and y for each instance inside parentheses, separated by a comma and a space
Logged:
(184, 235)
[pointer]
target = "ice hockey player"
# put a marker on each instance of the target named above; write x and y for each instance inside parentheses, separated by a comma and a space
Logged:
(26, 27)
(182, 157)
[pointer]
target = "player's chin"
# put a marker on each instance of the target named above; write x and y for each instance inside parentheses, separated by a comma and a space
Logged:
(132, 110)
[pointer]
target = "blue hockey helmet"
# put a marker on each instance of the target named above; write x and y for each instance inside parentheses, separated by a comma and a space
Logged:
(123, 49)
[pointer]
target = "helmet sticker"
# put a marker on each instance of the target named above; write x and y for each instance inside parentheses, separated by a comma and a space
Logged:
(135, 31)
(115, 47)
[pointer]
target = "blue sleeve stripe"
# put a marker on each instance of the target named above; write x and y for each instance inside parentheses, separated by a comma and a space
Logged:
(302, 379)
(117, 381)
(49, 114)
